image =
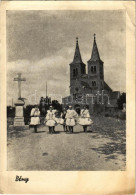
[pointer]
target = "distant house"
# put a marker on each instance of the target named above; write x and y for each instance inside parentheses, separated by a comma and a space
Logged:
(89, 88)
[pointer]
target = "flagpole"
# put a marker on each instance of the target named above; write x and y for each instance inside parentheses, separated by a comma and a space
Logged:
(12, 102)
(46, 88)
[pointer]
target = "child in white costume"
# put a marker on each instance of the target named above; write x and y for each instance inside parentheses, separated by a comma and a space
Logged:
(70, 118)
(63, 119)
(57, 119)
(35, 117)
(84, 119)
(50, 120)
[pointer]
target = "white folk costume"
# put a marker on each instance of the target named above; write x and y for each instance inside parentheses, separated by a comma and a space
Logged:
(85, 118)
(63, 118)
(70, 117)
(54, 111)
(50, 117)
(56, 118)
(35, 116)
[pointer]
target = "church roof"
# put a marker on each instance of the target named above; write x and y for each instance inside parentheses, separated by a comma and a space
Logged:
(106, 87)
(77, 55)
(95, 53)
(86, 85)
(115, 95)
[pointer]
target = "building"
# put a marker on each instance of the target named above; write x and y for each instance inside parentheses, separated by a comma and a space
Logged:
(89, 87)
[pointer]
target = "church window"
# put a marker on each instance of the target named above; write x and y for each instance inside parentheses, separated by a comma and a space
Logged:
(76, 89)
(93, 69)
(93, 83)
(74, 96)
(101, 72)
(82, 70)
(74, 72)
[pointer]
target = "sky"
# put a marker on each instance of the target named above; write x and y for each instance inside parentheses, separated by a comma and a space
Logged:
(41, 45)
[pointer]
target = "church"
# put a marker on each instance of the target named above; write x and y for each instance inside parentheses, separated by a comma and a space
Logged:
(89, 88)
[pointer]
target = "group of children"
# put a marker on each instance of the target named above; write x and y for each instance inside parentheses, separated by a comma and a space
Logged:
(69, 118)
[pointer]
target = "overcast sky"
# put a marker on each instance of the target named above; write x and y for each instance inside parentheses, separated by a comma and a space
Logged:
(41, 45)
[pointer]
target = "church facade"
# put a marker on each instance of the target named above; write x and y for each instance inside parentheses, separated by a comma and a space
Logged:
(89, 87)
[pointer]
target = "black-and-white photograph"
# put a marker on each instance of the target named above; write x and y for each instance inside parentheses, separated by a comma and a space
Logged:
(66, 90)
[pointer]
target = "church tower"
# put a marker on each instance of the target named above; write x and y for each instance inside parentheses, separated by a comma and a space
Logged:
(77, 69)
(95, 70)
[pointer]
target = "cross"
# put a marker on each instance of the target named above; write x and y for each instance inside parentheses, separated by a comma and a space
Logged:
(76, 39)
(94, 36)
(19, 79)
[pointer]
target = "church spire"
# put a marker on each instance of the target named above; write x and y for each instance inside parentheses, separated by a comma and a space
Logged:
(77, 56)
(95, 53)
